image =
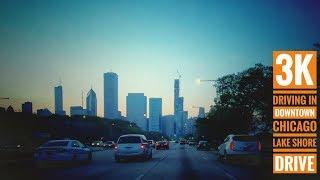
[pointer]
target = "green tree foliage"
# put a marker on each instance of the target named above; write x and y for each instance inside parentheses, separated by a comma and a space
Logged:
(32, 130)
(243, 104)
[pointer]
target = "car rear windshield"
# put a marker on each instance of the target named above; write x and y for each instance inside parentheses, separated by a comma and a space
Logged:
(129, 139)
(56, 143)
(245, 138)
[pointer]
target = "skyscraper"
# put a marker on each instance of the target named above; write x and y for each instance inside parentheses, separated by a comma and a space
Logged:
(176, 95)
(167, 125)
(111, 96)
(179, 117)
(155, 114)
(58, 101)
(27, 107)
(176, 103)
(178, 109)
(137, 109)
(201, 112)
(184, 122)
(91, 103)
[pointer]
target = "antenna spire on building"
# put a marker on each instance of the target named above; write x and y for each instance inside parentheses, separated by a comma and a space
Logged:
(82, 98)
(179, 75)
(60, 82)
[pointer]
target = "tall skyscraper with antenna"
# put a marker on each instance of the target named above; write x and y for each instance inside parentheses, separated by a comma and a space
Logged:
(58, 100)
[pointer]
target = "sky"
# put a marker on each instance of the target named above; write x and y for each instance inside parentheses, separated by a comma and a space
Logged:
(144, 42)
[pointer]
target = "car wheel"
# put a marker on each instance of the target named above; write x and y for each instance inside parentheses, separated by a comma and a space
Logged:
(219, 157)
(225, 157)
(74, 158)
(89, 157)
(117, 158)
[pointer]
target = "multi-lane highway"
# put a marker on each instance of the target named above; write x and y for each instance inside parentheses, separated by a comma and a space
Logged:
(179, 162)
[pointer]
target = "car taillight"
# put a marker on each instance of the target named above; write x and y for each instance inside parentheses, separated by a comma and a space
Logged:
(142, 146)
(232, 145)
(259, 145)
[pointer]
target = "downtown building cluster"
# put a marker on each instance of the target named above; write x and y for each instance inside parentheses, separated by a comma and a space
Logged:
(175, 125)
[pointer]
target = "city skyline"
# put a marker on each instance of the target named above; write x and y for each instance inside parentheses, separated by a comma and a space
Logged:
(145, 44)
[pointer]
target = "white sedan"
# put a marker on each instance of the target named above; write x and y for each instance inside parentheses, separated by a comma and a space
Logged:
(62, 151)
(239, 147)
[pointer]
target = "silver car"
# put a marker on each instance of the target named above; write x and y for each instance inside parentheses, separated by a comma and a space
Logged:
(62, 151)
(132, 146)
(238, 147)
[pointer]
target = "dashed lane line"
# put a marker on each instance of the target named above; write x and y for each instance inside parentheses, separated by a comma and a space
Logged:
(154, 165)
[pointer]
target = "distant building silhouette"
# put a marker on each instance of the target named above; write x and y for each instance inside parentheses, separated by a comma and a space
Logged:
(184, 122)
(176, 95)
(91, 103)
(178, 109)
(201, 112)
(77, 111)
(179, 117)
(27, 107)
(137, 109)
(111, 96)
(190, 126)
(155, 114)
(167, 125)
(44, 112)
(58, 101)
(10, 109)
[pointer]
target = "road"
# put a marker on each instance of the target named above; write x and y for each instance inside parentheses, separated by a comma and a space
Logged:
(180, 162)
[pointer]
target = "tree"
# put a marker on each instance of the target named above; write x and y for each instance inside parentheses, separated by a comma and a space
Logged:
(243, 104)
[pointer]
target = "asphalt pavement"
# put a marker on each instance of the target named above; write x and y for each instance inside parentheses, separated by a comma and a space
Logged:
(179, 162)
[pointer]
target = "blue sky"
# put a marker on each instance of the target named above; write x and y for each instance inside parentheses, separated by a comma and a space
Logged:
(144, 42)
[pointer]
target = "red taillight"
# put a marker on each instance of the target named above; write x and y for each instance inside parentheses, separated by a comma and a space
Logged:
(259, 146)
(232, 145)
(142, 146)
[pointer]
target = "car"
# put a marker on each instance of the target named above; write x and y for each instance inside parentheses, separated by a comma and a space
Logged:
(98, 144)
(162, 145)
(109, 144)
(192, 143)
(55, 151)
(183, 142)
(132, 146)
(203, 145)
(238, 147)
(152, 144)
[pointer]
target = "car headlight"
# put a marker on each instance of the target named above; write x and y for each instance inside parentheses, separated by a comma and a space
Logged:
(92, 144)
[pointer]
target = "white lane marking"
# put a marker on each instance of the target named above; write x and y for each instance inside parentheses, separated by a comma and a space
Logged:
(229, 176)
(140, 177)
(154, 165)
(224, 171)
